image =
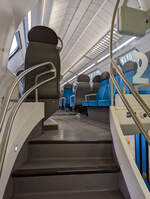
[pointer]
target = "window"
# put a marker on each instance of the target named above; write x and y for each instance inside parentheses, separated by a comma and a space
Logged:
(16, 45)
(92, 75)
(127, 57)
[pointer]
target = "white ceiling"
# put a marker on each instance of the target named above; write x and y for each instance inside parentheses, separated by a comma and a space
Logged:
(80, 24)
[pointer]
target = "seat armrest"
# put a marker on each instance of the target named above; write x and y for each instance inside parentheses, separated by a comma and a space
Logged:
(89, 95)
(71, 98)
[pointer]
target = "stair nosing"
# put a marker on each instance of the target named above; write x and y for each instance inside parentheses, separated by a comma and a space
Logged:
(70, 142)
(62, 171)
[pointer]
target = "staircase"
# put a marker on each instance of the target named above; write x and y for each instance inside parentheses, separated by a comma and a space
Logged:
(60, 168)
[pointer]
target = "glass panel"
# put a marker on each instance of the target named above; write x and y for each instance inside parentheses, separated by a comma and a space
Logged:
(14, 46)
(92, 75)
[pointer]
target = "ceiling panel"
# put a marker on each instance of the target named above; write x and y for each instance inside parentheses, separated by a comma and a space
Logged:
(81, 24)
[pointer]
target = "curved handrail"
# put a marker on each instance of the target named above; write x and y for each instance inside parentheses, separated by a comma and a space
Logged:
(133, 90)
(88, 95)
(6, 135)
(141, 86)
(18, 78)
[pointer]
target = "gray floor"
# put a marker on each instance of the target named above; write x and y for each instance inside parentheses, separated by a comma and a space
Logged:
(75, 128)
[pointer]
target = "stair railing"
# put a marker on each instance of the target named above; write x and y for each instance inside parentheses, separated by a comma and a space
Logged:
(131, 88)
(17, 79)
(8, 127)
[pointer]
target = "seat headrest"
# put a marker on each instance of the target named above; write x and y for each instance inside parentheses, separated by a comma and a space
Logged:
(97, 79)
(83, 78)
(128, 66)
(104, 75)
(68, 86)
(114, 72)
(148, 56)
(42, 34)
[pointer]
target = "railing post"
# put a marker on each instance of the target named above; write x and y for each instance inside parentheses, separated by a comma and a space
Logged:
(111, 85)
(110, 49)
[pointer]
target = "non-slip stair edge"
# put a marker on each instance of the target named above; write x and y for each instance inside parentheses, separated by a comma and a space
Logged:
(70, 142)
(62, 171)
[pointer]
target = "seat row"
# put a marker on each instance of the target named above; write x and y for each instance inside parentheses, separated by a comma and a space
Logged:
(99, 95)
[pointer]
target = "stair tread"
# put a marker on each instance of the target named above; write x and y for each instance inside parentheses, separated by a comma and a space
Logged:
(55, 136)
(73, 129)
(55, 166)
(103, 194)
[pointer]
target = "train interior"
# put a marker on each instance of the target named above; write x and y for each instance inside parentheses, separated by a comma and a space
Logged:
(75, 99)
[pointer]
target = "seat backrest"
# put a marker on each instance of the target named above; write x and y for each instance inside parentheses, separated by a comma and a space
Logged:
(68, 91)
(82, 89)
(104, 89)
(42, 48)
(146, 90)
(129, 69)
(96, 83)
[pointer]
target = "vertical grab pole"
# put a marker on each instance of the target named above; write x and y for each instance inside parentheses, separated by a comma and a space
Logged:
(110, 48)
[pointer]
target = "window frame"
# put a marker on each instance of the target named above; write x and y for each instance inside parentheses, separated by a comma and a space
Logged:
(19, 45)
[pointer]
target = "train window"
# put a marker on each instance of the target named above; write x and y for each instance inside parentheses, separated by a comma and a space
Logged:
(92, 75)
(127, 57)
(16, 45)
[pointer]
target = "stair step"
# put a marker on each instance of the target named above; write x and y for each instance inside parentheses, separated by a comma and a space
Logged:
(60, 136)
(68, 150)
(60, 183)
(113, 194)
(65, 166)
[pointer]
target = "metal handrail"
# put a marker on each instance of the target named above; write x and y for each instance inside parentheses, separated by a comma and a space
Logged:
(18, 78)
(141, 86)
(133, 91)
(38, 76)
(88, 95)
(132, 112)
(6, 135)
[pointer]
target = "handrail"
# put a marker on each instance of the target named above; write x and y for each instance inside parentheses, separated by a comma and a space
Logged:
(18, 78)
(38, 76)
(133, 91)
(132, 112)
(6, 135)
(88, 95)
(141, 86)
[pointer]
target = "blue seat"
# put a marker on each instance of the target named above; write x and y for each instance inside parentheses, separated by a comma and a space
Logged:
(96, 84)
(65, 99)
(83, 88)
(103, 94)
